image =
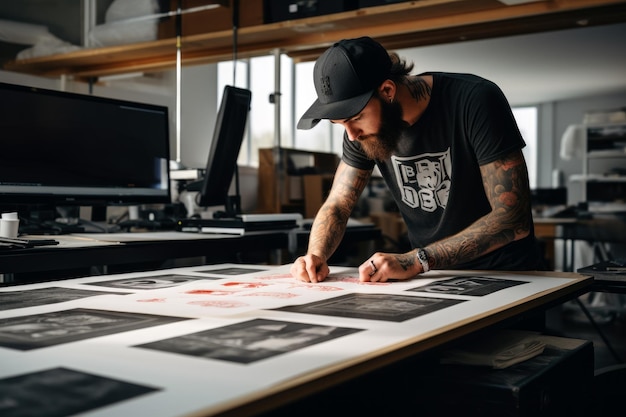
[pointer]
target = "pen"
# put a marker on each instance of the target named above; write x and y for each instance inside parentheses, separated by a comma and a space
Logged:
(42, 242)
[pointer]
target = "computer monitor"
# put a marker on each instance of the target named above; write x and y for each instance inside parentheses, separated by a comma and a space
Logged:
(67, 149)
(228, 135)
(548, 196)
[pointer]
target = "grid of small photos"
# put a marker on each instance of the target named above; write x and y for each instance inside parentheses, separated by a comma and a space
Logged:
(128, 344)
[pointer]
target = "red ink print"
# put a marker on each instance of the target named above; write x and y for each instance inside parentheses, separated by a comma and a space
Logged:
(152, 300)
(317, 287)
(219, 304)
(279, 276)
(209, 292)
(280, 295)
(245, 284)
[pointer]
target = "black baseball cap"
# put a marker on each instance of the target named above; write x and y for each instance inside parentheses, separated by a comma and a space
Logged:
(345, 77)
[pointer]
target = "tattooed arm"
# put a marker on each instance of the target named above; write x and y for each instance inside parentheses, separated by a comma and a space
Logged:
(506, 185)
(330, 222)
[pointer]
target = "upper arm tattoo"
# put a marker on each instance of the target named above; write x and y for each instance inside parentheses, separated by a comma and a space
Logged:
(348, 185)
(506, 186)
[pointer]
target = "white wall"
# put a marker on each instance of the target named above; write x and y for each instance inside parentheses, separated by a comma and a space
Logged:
(198, 113)
(30, 80)
(198, 102)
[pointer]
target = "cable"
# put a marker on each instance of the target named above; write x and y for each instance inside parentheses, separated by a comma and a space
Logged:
(237, 207)
(235, 40)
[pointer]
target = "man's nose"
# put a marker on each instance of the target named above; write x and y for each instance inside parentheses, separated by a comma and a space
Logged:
(353, 134)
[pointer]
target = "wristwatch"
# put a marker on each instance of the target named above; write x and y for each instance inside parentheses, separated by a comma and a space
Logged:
(423, 258)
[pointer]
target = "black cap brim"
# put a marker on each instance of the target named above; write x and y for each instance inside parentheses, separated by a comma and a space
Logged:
(343, 109)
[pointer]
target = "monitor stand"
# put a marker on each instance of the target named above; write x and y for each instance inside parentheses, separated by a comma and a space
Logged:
(67, 220)
(232, 207)
(48, 220)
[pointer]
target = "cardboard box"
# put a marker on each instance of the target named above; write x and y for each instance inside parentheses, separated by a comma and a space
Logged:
(391, 225)
(213, 20)
(316, 189)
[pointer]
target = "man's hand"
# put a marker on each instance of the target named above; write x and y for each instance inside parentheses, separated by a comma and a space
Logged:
(381, 267)
(310, 268)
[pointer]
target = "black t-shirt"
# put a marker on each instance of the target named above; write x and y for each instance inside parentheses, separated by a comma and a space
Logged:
(434, 175)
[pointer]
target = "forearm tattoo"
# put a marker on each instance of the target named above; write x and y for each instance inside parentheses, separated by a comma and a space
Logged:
(506, 185)
(330, 222)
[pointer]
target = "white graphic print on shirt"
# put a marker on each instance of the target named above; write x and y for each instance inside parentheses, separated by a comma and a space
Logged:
(424, 180)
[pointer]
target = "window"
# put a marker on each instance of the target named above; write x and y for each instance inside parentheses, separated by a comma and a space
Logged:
(257, 74)
(526, 118)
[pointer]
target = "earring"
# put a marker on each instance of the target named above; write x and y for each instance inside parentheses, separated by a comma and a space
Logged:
(390, 100)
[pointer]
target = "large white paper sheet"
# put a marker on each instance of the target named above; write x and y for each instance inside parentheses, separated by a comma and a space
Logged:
(233, 331)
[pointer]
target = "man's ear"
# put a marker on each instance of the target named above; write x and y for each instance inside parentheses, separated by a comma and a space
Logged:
(387, 91)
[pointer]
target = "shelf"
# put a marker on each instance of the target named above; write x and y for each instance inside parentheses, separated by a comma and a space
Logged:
(606, 141)
(293, 180)
(608, 153)
(603, 178)
(597, 178)
(399, 25)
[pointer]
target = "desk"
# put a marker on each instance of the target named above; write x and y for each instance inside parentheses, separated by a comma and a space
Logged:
(606, 279)
(106, 249)
(238, 340)
(549, 229)
(88, 250)
(597, 231)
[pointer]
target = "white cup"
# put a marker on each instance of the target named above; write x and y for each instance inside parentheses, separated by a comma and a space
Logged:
(10, 216)
(133, 213)
(9, 227)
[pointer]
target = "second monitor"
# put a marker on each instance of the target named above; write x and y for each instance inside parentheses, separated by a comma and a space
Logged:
(228, 135)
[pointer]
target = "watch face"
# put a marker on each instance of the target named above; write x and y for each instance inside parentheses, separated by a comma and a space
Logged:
(421, 256)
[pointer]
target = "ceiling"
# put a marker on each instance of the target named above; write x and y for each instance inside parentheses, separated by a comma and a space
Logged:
(530, 68)
(539, 67)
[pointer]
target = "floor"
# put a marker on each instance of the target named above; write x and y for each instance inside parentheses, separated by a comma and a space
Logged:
(608, 312)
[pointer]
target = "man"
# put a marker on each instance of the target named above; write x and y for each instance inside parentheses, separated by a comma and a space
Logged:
(449, 150)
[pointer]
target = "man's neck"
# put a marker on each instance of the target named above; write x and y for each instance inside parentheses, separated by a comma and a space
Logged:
(415, 96)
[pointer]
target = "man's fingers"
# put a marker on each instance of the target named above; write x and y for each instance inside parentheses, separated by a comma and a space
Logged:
(309, 269)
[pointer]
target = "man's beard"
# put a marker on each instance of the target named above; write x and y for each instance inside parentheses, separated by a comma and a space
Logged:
(381, 145)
